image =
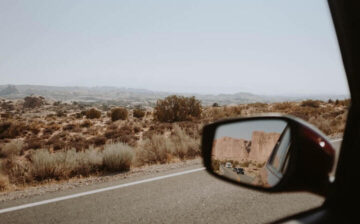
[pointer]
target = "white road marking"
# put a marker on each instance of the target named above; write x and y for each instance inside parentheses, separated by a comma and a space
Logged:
(15, 208)
(11, 209)
(336, 140)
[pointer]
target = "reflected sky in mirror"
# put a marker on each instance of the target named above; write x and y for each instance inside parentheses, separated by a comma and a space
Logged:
(244, 129)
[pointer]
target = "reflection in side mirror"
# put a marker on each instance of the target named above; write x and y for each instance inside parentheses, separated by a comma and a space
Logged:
(254, 152)
(269, 153)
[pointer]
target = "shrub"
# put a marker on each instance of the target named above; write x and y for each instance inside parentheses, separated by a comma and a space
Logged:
(345, 102)
(177, 108)
(34, 142)
(215, 164)
(118, 114)
(160, 149)
(4, 182)
(12, 148)
(61, 113)
(64, 164)
(86, 124)
(184, 145)
(71, 127)
(46, 165)
(310, 103)
(217, 113)
(85, 162)
(93, 113)
(6, 115)
(125, 134)
(10, 129)
(78, 115)
(137, 128)
(244, 163)
(32, 101)
(283, 106)
(139, 113)
(57, 103)
(79, 142)
(16, 170)
(118, 157)
(156, 149)
(215, 105)
(98, 140)
(57, 141)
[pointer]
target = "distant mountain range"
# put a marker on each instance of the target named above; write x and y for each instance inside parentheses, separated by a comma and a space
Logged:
(131, 96)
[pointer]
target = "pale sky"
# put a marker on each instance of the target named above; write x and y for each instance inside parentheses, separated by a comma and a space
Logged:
(244, 130)
(258, 46)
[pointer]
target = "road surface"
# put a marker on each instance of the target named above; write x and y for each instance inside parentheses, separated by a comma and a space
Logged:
(231, 174)
(193, 197)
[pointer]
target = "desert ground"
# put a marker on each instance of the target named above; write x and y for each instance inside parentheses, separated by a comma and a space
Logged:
(42, 140)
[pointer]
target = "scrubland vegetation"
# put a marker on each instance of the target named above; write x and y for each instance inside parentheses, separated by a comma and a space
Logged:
(42, 140)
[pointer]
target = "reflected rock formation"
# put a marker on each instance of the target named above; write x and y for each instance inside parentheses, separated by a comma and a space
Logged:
(258, 149)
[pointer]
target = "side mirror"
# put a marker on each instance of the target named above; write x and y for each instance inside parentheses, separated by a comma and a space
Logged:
(271, 153)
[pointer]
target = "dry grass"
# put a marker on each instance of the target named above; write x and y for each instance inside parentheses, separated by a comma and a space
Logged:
(118, 157)
(217, 113)
(57, 147)
(16, 170)
(64, 164)
(184, 145)
(156, 149)
(4, 182)
(13, 148)
(161, 149)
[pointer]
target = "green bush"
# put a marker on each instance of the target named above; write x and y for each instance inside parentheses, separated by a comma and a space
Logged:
(119, 114)
(177, 108)
(93, 113)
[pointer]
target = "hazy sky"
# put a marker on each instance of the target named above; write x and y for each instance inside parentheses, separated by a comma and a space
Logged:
(244, 130)
(258, 46)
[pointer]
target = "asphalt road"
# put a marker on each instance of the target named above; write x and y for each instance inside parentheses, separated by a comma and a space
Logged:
(194, 197)
(231, 174)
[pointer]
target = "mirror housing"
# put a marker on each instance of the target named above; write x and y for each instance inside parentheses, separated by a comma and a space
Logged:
(311, 156)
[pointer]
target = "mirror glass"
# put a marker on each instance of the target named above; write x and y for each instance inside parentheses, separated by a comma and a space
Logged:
(255, 152)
